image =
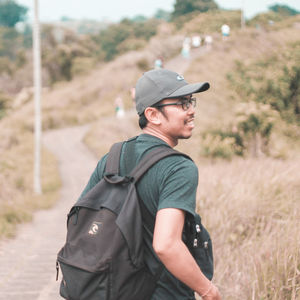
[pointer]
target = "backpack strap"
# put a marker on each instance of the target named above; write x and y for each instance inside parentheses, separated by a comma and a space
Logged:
(141, 168)
(152, 158)
(113, 159)
(114, 155)
(138, 171)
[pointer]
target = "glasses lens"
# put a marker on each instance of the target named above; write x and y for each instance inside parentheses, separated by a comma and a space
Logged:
(186, 103)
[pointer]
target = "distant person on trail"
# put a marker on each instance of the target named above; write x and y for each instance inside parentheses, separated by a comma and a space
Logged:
(208, 40)
(186, 47)
(166, 110)
(196, 41)
(119, 107)
(159, 63)
(132, 94)
(225, 31)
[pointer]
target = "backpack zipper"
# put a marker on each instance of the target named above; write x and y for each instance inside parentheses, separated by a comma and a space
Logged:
(57, 270)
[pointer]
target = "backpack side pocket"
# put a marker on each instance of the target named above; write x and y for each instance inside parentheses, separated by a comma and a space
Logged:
(200, 245)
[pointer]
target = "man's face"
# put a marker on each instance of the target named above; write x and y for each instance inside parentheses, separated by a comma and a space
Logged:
(177, 120)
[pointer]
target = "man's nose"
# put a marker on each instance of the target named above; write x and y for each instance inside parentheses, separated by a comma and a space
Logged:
(191, 109)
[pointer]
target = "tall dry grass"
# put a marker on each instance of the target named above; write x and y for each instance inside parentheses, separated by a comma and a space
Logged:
(252, 209)
(17, 200)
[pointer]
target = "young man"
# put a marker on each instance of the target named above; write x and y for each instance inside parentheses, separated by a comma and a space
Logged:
(166, 111)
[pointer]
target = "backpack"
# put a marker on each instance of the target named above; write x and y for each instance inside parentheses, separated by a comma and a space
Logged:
(103, 255)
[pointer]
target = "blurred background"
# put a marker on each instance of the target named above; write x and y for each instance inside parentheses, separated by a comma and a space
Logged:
(246, 141)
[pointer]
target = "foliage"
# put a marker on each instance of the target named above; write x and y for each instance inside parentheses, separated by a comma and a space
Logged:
(254, 125)
(283, 10)
(183, 7)
(219, 144)
(272, 81)
(266, 20)
(62, 49)
(4, 102)
(250, 134)
(208, 22)
(11, 41)
(111, 38)
(130, 44)
(6, 66)
(11, 13)
(143, 64)
(162, 15)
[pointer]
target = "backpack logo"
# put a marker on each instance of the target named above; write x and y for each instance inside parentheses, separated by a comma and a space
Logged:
(95, 227)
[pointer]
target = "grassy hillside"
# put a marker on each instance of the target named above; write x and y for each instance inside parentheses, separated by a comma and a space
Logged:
(250, 204)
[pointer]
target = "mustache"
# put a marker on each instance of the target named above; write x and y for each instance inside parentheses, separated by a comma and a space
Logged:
(189, 119)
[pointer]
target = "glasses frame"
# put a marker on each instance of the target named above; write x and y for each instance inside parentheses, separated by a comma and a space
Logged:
(184, 102)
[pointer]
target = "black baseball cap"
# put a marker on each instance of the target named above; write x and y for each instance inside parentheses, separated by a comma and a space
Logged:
(156, 85)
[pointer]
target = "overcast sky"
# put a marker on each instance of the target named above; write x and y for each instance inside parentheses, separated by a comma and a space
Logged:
(115, 10)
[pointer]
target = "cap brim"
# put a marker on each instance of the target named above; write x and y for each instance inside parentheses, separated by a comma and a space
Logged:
(190, 89)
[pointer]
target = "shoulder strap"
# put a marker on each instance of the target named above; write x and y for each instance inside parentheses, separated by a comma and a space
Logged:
(151, 158)
(113, 158)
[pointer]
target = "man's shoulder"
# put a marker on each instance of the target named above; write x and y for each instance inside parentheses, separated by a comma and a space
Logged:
(179, 163)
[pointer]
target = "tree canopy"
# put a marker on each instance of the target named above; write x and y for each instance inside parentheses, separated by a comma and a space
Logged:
(11, 13)
(183, 7)
(284, 10)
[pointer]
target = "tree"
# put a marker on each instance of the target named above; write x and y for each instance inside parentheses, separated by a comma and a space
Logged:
(183, 7)
(162, 15)
(11, 13)
(116, 38)
(284, 10)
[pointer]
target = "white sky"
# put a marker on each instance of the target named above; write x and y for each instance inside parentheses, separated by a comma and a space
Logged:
(115, 10)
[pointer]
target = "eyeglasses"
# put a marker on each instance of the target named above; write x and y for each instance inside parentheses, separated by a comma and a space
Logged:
(184, 102)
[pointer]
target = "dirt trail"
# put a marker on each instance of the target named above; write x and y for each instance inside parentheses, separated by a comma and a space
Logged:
(28, 262)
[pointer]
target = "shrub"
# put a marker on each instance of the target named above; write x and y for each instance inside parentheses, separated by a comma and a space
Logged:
(250, 134)
(114, 40)
(4, 103)
(276, 84)
(143, 64)
(218, 144)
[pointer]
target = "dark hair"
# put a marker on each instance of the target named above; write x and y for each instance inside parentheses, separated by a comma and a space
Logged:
(143, 120)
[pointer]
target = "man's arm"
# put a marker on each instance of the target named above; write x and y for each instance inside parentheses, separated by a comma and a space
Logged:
(168, 245)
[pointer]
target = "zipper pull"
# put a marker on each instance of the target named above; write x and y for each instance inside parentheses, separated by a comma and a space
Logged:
(205, 244)
(57, 270)
(76, 215)
(195, 243)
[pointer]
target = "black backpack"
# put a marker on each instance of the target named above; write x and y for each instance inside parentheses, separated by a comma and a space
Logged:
(102, 258)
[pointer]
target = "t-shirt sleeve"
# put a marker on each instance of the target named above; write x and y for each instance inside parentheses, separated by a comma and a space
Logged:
(179, 186)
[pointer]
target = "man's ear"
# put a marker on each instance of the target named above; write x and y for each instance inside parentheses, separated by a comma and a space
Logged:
(152, 115)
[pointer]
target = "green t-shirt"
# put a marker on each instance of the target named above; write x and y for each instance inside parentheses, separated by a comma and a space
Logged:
(170, 183)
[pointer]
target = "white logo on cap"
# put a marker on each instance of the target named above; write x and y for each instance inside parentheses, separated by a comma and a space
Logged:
(180, 77)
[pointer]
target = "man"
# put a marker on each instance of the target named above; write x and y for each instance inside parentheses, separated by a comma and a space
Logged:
(166, 111)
